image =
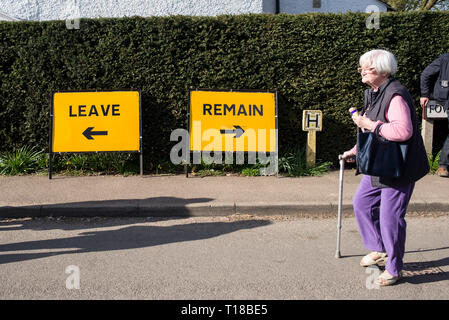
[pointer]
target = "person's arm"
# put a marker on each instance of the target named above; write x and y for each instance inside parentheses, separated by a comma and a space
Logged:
(399, 127)
(429, 74)
(347, 155)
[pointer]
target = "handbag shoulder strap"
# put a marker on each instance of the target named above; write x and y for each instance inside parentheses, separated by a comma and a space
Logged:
(376, 130)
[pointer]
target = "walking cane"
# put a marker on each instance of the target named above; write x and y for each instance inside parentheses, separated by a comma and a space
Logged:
(340, 199)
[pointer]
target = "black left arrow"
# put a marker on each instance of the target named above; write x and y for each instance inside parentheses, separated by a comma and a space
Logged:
(88, 133)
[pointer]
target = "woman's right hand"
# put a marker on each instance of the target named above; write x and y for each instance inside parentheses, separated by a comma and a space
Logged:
(348, 156)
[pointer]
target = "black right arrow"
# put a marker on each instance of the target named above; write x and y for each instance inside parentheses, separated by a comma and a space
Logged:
(88, 133)
(238, 131)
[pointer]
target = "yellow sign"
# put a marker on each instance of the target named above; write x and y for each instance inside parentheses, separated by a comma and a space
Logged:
(312, 120)
(95, 121)
(233, 121)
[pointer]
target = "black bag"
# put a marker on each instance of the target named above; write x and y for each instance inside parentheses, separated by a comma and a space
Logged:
(377, 156)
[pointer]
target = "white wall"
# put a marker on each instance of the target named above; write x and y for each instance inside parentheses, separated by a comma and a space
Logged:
(4, 17)
(63, 9)
(301, 6)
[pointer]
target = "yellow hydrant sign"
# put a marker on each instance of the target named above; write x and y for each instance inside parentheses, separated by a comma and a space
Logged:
(231, 121)
(95, 121)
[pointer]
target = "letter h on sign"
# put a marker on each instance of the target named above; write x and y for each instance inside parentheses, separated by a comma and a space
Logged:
(312, 120)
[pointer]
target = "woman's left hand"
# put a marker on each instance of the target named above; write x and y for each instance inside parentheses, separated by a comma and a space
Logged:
(364, 122)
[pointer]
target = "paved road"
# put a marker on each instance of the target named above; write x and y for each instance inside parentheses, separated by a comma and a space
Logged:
(234, 257)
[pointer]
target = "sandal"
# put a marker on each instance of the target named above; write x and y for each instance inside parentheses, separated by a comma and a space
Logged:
(369, 261)
(386, 279)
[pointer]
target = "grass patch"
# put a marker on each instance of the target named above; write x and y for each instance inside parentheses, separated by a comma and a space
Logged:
(250, 172)
(292, 162)
(27, 160)
(22, 161)
(434, 162)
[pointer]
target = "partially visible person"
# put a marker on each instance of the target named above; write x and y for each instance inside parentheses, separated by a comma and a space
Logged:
(435, 84)
(380, 203)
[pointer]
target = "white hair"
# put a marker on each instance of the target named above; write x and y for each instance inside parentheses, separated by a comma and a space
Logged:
(383, 60)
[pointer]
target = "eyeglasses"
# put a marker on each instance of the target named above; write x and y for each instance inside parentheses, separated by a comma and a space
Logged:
(371, 69)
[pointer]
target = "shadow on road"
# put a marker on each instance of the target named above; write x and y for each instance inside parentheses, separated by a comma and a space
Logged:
(89, 213)
(133, 235)
(130, 237)
(426, 271)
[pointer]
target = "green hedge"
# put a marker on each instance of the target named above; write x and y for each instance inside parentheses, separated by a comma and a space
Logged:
(309, 59)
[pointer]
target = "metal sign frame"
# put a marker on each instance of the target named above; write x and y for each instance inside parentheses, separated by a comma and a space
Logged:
(275, 153)
(51, 153)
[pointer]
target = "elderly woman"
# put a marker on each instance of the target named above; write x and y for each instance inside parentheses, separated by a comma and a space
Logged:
(380, 203)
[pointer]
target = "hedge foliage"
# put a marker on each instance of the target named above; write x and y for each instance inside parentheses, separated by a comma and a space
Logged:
(310, 59)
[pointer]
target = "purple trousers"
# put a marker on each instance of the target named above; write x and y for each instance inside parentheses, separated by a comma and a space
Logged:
(380, 215)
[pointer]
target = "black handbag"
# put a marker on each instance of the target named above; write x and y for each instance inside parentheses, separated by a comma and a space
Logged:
(377, 156)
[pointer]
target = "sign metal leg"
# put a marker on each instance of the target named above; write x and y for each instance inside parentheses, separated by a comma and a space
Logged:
(50, 166)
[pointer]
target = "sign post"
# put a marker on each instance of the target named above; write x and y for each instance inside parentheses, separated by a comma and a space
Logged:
(233, 121)
(311, 122)
(434, 110)
(95, 121)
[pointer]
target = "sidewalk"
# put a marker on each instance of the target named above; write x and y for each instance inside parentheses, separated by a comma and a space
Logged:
(133, 196)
